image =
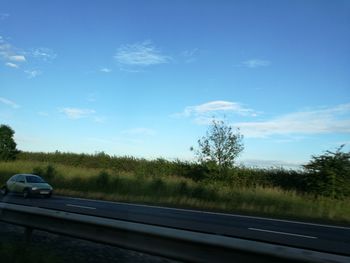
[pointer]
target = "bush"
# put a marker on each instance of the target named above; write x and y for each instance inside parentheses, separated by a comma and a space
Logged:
(49, 173)
(102, 180)
(157, 185)
(329, 174)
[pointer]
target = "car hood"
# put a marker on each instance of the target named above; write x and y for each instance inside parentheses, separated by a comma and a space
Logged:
(41, 185)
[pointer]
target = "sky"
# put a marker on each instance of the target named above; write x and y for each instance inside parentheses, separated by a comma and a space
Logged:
(146, 78)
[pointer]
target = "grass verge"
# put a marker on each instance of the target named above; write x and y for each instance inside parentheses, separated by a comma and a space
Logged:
(180, 192)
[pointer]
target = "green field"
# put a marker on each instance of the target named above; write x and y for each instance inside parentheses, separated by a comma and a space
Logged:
(176, 184)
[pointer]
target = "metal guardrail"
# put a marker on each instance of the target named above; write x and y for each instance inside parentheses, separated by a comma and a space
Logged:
(167, 242)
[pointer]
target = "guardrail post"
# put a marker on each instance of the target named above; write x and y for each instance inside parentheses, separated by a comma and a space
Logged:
(28, 231)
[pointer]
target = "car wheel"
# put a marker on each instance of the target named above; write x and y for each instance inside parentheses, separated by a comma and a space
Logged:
(4, 190)
(26, 193)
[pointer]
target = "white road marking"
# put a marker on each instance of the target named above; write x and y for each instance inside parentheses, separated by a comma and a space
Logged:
(281, 233)
(80, 206)
(213, 213)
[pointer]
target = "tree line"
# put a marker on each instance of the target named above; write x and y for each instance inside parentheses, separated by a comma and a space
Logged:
(327, 174)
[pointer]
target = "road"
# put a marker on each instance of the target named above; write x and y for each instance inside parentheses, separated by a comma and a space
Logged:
(318, 237)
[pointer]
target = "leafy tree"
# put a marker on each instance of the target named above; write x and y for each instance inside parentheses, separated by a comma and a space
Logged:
(220, 146)
(329, 174)
(8, 149)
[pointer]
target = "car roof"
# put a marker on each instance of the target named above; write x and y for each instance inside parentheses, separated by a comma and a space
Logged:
(28, 175)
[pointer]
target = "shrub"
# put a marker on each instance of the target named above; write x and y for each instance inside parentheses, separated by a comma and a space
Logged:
(102, 180)
(49, 173)
(329, 174)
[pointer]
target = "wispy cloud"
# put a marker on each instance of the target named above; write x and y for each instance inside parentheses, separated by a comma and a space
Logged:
(106, 70)
(10, 53)
(140, 54)
(203, 113)
(11, 65)
(77, 113)
(140, 131)
(190, 56)
(17, 58)
(10, 103)
(43, 53)
(319, 121)
(256, 63)
(33, 73)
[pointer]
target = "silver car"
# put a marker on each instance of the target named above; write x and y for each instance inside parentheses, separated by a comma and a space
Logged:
(27, 185)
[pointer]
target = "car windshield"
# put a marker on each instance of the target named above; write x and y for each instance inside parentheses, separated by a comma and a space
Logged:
(34, 179)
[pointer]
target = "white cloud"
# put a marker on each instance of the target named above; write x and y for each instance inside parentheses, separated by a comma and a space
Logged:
(255, 63)
(140, 54)
(105, 70)
(140, 131)
(33, 73)
(10, 53)
(17, 58)
(203, 113)
(77, 113)
(14, 56)
(320, 121)
(11, 65)
(9, 103)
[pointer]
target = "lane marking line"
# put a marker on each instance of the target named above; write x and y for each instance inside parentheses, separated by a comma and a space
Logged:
(211, 213)
(281, 233)
(80, 206)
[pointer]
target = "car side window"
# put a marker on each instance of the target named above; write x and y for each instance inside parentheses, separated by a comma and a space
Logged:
(14, 178)
(20, 178)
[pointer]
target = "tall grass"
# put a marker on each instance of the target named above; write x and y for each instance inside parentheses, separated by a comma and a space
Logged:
(228, 195)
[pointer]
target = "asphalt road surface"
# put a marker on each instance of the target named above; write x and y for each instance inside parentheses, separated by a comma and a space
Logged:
(318, 237)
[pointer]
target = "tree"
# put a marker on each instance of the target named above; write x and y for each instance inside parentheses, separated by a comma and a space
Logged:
(8, 149)
(220, 146)
(329, 174)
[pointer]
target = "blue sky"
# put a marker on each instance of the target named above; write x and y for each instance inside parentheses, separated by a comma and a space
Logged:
(145, 78)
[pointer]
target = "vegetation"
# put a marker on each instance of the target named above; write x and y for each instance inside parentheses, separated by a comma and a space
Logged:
(17, 252)
(8, 149)
(271, 192)
(329, 174)
(220, 146)
(319, 192)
